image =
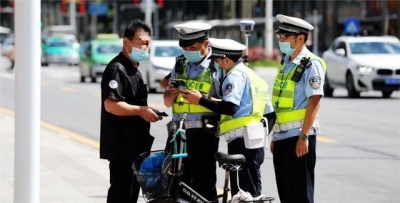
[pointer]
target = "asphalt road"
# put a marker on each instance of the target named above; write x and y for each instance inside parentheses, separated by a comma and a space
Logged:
(358, 154)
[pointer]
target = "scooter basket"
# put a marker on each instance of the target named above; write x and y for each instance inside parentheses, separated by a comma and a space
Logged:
(153, 181)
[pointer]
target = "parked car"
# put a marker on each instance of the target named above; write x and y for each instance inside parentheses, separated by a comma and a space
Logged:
(363, 64)
(160, 62)
(96, 54)
(61, 50)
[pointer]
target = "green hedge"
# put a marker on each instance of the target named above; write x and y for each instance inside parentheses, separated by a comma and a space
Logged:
(266, 64)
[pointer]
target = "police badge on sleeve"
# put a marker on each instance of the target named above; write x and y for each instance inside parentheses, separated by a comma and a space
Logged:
(228, 89)
(315, 82)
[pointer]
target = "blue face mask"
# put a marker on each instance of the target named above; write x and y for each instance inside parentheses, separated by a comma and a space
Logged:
(193, 56)
(217, 68)
(138, 54)
(285, 48)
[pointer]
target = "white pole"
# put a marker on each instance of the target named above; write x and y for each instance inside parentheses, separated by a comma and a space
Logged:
(148, 12)
(269, 27)
(315, 33)
(72, 13)
(247, 44)
(27, 102)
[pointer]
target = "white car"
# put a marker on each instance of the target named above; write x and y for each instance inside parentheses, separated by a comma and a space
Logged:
(362, 64)
(160, 62)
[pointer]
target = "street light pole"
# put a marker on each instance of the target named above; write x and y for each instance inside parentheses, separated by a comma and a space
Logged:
(72, 13)
(269, 27)
(27, 102)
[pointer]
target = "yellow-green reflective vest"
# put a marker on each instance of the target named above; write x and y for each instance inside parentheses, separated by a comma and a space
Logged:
(259, 94)
(202, 83)
(285, 101)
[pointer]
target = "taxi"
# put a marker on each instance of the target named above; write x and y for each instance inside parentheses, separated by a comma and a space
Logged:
(61, 49)
(96, 54)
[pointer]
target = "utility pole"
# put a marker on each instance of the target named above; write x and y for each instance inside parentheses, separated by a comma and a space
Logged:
(315, 33)
(385, 17)
(72, 13)
(398, 19)
(115, 17)
(268, 27)
(149, 11)
(27, 102)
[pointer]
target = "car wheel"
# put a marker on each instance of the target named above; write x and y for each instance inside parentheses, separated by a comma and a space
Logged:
(386, 94)
(151, 90)
(328, 90)
(351, 89)
(82, 79)
(45, 64)
(93, 79)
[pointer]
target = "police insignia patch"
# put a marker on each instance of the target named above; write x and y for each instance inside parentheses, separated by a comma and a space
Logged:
(315, 82)
(228, 89)
(113, 84)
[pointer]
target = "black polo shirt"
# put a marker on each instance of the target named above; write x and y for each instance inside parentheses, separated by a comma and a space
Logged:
(125, 136)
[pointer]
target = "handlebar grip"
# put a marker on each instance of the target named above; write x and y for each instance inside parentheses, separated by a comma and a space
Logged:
(184, 116)
(177, 156)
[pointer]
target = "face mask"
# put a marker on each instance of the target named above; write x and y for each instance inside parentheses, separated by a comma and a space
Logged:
(285, 48)
(217, 68)
(138, 54)
(193, 56)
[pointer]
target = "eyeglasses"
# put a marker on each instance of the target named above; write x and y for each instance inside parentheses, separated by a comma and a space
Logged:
(283, 36)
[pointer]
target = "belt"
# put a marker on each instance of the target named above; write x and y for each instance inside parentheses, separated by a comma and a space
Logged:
(236, 133)
(293, 125)
(187, 124)
(287, 126)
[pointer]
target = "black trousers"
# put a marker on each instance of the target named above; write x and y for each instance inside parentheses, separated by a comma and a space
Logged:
(250, 175)
(294, 176)
(200, 164)
(124, 187)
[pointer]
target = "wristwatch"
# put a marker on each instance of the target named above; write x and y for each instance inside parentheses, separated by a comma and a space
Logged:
(303, 136)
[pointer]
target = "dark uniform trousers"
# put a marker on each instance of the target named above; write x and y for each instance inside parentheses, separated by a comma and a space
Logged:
(123, 185)
(250, 175)
(200, 165)
(294, 176)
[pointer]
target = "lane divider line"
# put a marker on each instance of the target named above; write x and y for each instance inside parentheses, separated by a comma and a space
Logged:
(326, 140)
(68, 89)
(55, 129)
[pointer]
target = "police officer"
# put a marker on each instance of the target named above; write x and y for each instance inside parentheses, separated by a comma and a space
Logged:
(296, 98)
(244, 101)
(198, 72)
(125, 117)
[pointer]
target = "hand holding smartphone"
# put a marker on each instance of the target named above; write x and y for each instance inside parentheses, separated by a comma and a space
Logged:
(180, 84)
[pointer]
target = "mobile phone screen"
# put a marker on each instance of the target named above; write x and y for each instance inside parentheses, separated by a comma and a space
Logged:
(180, 84)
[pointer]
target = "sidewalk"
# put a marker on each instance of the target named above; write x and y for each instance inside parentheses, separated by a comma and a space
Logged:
(69, 171)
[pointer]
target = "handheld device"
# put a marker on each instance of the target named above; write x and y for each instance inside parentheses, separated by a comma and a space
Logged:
(162, 114)
(180, 84)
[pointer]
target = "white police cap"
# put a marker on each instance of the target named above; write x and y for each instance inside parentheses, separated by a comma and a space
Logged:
(293, 25)
(226, 47)
(190, 32)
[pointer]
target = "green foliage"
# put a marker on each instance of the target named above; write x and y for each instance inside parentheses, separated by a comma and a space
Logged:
(264, 64)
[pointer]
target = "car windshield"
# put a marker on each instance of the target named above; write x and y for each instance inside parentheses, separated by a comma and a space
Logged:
(108, 49)
(375, 48)
(167, 51)
(59, 43)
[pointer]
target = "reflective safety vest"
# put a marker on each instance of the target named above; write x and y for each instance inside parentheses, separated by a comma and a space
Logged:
(283, 94)
(202, 83)
(259, 95)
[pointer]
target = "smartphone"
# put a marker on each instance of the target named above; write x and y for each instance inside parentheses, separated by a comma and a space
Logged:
(162, 114)
(180, 84)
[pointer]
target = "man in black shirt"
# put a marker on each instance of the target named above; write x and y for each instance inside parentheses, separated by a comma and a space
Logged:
(125, 117)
